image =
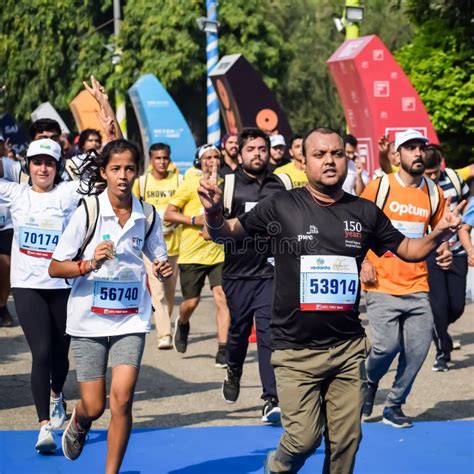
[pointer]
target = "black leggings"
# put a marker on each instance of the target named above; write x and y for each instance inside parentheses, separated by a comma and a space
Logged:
(42, 315)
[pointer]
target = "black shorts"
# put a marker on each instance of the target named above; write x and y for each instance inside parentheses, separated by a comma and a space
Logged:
(6, 237)
(192, 277)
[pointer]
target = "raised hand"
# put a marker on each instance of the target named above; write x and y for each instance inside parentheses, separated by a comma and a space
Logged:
(451, 221)
(209, 191)
(96, 90)
(108, 124)
(383, 144)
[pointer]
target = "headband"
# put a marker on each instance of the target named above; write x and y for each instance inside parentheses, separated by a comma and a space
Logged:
(205, 148)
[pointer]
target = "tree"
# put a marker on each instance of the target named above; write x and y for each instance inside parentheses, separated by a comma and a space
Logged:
(439, 62)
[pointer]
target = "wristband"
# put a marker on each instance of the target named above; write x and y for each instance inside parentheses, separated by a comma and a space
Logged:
(218, 227)
(192, 220)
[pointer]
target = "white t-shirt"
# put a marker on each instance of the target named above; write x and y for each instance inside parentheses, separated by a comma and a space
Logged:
(38, 221)
(114, 300)
(349, 183)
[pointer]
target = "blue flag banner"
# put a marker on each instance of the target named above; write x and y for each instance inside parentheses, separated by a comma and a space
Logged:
(160, 120)
(10, 129)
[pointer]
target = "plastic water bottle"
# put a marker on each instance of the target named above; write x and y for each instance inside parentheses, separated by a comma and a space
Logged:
(112, 266)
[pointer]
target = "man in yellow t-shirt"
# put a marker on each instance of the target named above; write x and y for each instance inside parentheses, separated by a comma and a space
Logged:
(198, 258)
(157, 187)
(396, 292)
(295, 169)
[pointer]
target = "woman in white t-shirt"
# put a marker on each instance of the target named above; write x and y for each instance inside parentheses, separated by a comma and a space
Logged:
(109, 308)
(39, 213)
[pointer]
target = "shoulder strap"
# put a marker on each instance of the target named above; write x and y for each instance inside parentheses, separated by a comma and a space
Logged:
(455, 180)
(150, 216)
(382, 191)
(142, 185)
(229, 186)
(91, 206)
(433, 192)
(286, 180)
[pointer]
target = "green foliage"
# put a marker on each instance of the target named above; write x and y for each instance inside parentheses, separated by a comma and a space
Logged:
(439, 62)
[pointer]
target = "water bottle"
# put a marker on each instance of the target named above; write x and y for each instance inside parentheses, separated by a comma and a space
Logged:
(112, 266)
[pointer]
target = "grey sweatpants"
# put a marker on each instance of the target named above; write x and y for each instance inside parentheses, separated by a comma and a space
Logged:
(398, 324)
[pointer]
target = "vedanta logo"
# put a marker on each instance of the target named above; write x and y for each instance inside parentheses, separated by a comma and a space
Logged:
(402, 209)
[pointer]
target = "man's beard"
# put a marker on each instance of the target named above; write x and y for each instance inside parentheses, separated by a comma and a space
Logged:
(255, 170)
(411, 170)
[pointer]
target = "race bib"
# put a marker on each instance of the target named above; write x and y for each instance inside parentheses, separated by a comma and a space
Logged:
(412, 230)
(116, 298)
(3, 216)
(328, 283)
(39, 237)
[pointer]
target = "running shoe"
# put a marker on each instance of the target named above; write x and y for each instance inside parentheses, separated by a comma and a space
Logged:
(46, 443)
(371, 390)
(165, 342)
(271, 412)
(180, 339)
(440, 365)
(57, 411)
(231, 386)
(73, 439)
(395, 417)
(6, 319)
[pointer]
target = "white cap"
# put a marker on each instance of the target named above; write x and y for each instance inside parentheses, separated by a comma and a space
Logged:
(44, 146)
(410, 134)
(276, 140)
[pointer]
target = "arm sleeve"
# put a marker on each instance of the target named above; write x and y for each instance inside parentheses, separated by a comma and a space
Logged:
(385, 236)
(8, 192)
(155, 246)
(468, 216)
(11, 170)
(181, 196)
(72, 237)
(261, 218)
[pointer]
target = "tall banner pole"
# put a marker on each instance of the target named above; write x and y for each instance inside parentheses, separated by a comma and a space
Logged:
(213, 121)
(120, 109)
(352, 28)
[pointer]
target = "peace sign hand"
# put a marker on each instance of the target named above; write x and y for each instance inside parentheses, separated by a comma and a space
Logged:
(96, 90)
(209, 191)
(451, 221)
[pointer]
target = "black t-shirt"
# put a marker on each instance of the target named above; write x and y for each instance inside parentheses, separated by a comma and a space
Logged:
(225, 169)
(243, 260)
(298, 226)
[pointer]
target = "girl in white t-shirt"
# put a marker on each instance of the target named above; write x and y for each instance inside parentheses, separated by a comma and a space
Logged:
(109, 308)
(39, 213)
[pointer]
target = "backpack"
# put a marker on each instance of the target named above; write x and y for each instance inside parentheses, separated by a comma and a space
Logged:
(455, 180)
(91, 206)
(229, 186)
(384, 190)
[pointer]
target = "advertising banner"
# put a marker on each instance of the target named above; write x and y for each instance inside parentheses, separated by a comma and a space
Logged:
(376, 95)
(160, 120)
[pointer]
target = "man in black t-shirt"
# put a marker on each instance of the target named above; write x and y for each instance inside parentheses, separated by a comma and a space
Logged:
(319, 236)
(247, 277)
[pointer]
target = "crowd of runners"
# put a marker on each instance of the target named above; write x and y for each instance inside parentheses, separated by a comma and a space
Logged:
(92, 252)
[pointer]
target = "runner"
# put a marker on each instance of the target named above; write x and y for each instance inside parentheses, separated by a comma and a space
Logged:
(295, 169)
(109, 309)
(320, 236)
(198, 258)
(157, 187)
(39, 214)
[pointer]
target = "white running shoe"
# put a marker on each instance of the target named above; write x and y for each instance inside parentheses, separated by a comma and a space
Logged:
(46, 443)
(57, 411)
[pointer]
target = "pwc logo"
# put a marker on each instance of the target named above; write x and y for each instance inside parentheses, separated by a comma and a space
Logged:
(409, 209)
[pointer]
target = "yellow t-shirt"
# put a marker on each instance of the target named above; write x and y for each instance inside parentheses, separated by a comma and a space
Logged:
(193, 248)
(298, 177)
(409, 210)
(158, 192)
(192, 173)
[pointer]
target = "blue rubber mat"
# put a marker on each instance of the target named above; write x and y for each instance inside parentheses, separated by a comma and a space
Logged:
(442, 447)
